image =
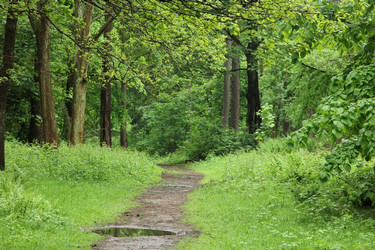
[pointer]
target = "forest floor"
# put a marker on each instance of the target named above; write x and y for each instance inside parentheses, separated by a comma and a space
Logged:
(160, 209)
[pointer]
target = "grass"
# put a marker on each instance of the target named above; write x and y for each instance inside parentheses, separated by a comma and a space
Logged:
(269, 199)
(47, 196)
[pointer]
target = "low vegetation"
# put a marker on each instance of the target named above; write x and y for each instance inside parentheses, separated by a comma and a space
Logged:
(47, 196)
(269, 198)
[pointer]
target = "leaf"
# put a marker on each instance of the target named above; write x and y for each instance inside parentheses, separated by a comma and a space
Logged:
(336, 133)
(347, 167)
(340, 111)
(338, 125)
(372, 121)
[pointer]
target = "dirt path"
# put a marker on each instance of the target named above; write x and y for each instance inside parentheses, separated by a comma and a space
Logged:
(160, 208)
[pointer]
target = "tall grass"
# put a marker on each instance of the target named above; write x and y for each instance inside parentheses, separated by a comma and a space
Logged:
(48, 195)
(270, 199)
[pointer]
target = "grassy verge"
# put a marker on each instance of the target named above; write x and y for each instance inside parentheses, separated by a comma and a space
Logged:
(47, 196)
(270, 199)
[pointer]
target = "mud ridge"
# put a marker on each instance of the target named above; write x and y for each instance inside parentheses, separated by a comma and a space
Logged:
(159, 209)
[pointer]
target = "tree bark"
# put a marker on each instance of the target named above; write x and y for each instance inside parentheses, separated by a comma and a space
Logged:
(226, 92)
(81, 60)
(40, 25)
(253, 99)
(123, 133)
(35, 124)
(68, 104)
(105, 95)
(236, 86)
(7, 65)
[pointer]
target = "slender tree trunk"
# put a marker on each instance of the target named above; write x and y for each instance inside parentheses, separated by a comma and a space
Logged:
(6, 66)
(253, 100)
(123, 133)
(68, 104)
(105, 95)
(82, 12)
(226, 92)
(41, 27)
(35, 124)
(236, 86)
(286, 127)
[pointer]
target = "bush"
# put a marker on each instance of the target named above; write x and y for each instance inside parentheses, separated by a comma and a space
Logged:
(206, 139)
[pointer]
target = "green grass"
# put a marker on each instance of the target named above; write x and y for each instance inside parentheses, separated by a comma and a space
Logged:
(48, 196)
(269, 199)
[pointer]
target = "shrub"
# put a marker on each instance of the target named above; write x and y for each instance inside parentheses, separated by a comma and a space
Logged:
(209, 138)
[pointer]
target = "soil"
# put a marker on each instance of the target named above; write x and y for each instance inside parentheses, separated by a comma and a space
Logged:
(159, 208)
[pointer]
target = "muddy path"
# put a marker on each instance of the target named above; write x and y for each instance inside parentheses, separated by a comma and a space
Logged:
(160, 209)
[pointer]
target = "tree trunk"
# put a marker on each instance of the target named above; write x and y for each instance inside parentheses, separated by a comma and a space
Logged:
(35, 124)
(68, 104)
(7, 65)
(226, 92)
(123, 133)
(40, 26)
(105, 95)
(236, 86)
(253, 100)
(81, 60)
(286, 127)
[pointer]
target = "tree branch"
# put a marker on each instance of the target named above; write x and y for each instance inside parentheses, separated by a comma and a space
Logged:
(103, 28)
(313, 68)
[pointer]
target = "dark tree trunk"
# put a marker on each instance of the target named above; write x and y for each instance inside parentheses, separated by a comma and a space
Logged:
(35, 125)
(105, 95)
(7, 65)
(236, 86)
(123, 133)
(286, 127)
(226, 92)
(253, 99)
(41, 27)
(68, 104)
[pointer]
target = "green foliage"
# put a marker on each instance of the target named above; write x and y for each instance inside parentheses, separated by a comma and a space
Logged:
(268, 122)
(269, 198)
(166, 126)
(347, 117)
(205, 139)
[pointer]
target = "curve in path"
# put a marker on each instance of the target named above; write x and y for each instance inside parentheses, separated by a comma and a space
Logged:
(159, 208)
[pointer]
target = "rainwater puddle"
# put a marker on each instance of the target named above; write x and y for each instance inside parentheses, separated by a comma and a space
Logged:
(131, 232)
(174, 186)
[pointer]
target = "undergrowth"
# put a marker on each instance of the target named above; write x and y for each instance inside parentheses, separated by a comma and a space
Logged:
(271, 199)
(47, 196)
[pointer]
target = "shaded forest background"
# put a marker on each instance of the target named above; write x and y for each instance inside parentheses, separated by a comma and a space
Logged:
(194, 77)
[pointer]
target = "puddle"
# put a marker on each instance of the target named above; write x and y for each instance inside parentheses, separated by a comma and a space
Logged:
(174, 186)
(131, 232)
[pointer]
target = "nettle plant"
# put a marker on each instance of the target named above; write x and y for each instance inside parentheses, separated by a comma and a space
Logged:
(347, 118)
(268, 122)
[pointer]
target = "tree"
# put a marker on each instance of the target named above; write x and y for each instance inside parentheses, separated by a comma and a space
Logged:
(5, 71)
(123, 132)
(40, 24)
(226, 92)
(105, 95)
(253, 120)
(236, 90)
(83, 14)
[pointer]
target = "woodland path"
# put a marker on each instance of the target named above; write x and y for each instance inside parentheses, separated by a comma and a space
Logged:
(159, 208)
